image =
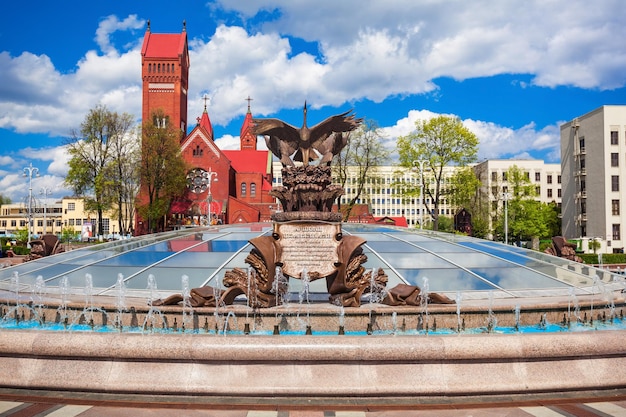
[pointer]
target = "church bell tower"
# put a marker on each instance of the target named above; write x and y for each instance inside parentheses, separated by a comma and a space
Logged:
(165, 77)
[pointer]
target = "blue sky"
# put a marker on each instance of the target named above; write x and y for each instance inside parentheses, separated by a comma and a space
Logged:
(512, 71)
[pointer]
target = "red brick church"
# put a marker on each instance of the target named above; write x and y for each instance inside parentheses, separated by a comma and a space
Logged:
(223, 186)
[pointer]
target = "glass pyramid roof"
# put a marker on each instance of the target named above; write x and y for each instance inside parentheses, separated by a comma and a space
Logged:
(443, 262)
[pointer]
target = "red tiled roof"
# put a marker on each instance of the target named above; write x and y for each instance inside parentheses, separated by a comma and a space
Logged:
(164, 45)
(395, 221)
(249, 160)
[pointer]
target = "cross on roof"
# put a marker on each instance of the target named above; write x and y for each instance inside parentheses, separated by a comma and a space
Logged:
(205, 98)
(249, 100)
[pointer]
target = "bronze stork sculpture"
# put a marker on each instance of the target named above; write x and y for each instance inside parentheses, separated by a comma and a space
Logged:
(285, 140)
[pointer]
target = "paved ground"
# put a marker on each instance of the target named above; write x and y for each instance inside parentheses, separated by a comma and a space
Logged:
(570, 409)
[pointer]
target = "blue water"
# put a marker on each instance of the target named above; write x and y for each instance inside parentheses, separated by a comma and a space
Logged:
(12, 324)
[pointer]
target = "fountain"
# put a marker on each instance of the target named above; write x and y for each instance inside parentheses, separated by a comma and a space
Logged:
(253, 326)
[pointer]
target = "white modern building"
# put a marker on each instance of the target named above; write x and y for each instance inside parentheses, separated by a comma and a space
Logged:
(384, 196)
(593, 159)
(546, 178)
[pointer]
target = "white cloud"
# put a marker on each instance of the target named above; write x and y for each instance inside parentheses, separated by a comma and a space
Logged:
(111, 25)
(228, 142)
(563, 42)
(494, 141)
(51, 164)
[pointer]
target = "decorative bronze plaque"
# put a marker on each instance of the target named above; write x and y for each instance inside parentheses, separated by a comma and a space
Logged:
(310, 246)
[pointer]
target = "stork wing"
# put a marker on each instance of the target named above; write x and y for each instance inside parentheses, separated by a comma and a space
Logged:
(277, 128)
(344, 122)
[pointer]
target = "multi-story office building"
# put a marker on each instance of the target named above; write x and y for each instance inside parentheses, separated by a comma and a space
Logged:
(68, 213)
(495, 187)
(546, 178)
(593, 159)
(44, 218)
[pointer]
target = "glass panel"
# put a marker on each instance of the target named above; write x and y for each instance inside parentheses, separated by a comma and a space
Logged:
(440, 280)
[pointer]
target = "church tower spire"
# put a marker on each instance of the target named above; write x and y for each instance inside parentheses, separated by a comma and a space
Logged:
(204, 120)
(246, 135)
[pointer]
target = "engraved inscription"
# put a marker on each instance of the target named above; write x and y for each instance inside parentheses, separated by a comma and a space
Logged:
(308, 245)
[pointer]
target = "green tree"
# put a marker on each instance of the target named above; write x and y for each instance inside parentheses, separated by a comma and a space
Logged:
(527, 217)
(21, 235)
(553, 219)
(124, 174)
(362, 154)
(465, 192)
(68, 234)
(91, 173)
(594, 245)
(162, 170)
(441, 141)
(4, 200)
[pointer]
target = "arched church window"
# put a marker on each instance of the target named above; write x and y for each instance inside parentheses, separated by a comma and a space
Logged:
(159, 68)
(243, 189)
(198, 151)
(252, 189)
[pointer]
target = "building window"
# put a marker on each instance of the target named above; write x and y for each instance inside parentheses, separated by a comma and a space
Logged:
(105, 226)
(614, 140)
(581, 142)
(13, 223)
(538, 190)
(615, 207)
(558, 193)
(558, 179)
(160, 122)
(537, 176)
(549, 179)
(243, 189)
(197, 152)
(71, 206)
(71, 222)
(616, 232)
(494, 176)
(504, 176)
(614, 182)
(549, 192)
(252, 189)
(614, 159)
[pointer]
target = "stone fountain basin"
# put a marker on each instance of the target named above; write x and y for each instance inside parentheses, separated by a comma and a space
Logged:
(351, 371)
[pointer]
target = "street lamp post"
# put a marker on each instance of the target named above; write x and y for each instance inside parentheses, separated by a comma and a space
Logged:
(45, 191)
(29, 171)
(209, 197)
(421, 163)
(506, 196)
